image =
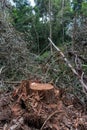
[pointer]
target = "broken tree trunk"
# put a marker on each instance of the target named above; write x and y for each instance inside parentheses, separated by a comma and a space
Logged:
(71, 67)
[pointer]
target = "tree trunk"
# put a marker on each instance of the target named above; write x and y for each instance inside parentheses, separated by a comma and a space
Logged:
(50, 25)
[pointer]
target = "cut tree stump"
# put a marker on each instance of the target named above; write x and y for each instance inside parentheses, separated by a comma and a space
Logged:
(45, 91)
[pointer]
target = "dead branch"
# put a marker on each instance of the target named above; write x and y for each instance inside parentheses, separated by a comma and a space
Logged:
(12, 82)
(52, 114)
(79, 56)
(1, 69)
(70, 66)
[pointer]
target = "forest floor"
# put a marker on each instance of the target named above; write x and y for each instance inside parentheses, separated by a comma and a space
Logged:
(46, 108)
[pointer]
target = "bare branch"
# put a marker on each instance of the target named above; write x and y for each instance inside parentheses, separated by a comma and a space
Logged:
(71, 67)
(1, 69)
(65, 59)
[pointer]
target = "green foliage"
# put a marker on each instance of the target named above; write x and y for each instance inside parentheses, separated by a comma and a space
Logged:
(84, 67)
(84, 8)
(22, 17)
(42, 5)
(80, 6)
(34, 21)
(44, 56)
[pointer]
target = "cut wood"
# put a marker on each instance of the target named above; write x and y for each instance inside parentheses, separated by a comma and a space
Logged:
(41, 86)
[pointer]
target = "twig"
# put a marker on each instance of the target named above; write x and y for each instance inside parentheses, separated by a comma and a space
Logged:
(79, 56)
(70, 66)
(12, 82)
(49, 118)
(1, 69)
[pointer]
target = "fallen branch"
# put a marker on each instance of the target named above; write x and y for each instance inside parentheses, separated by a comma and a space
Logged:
(49, 118)
(1, 69)
(12, 82)
(79, 56)
(70, 66)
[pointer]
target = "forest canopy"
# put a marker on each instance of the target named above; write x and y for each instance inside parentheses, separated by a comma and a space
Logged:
(46, 16)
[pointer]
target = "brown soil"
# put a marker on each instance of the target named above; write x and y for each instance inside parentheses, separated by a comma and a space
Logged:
(49, 109)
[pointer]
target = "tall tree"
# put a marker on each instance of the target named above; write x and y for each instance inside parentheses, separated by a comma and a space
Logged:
(50, 23)
(53, 15)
